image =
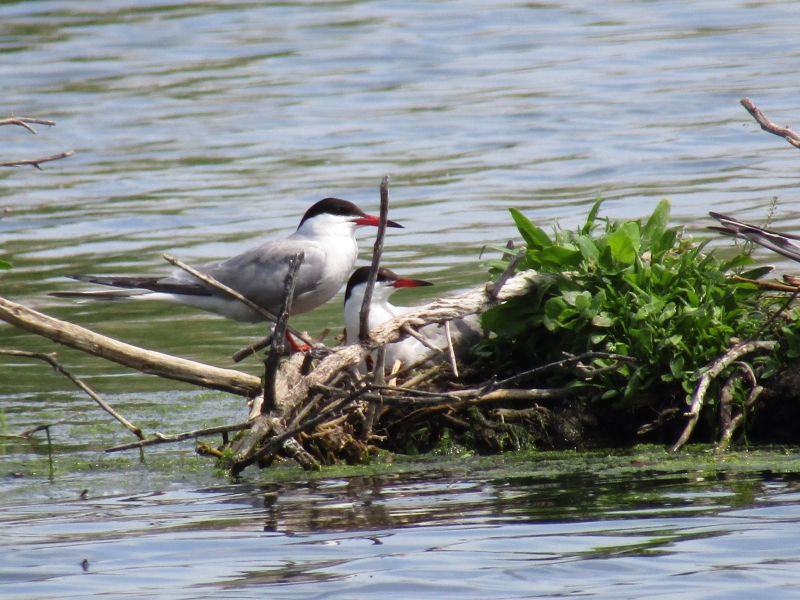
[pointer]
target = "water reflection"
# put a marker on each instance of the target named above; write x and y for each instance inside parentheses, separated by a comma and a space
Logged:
(376, 535)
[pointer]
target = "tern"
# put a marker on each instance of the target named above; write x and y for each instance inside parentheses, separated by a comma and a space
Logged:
(326, 236)
(784, 244)
(464, 332)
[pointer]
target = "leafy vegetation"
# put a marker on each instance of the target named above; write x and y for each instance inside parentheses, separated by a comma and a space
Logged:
(640, 289)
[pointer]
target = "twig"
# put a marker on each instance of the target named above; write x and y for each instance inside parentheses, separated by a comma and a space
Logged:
(717, 367)
(28, 433)
(255, 348)
(767, 285)
(377, 251)
(50, 359)
(420, 377)
(35, 162)
(494, 289)
(450, 351)
(775, 315)
(278, 348)
(770, 127)
(160, 438)
(416, 365)
(422, 340)
(560, 364)
(230, 291)
(727, 433)
(277, 442)
(378, 378)
(25, 122)
(495, 396)
(414, 392)
(662, 418)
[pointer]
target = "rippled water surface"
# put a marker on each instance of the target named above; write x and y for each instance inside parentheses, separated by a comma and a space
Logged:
(201, 129)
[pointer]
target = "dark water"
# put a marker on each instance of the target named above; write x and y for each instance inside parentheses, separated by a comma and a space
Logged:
(201, 129)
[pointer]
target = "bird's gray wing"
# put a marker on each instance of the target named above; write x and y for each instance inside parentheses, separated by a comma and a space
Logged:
(259, 274)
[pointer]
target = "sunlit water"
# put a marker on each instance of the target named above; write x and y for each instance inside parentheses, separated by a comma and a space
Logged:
(201, 129)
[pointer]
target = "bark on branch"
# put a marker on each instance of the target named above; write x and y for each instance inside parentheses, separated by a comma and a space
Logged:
(146, 361)
(770, 127)
(716, 368)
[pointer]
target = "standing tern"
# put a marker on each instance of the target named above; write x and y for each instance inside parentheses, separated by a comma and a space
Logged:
(326, 235)
(784, 244)
(464, 332)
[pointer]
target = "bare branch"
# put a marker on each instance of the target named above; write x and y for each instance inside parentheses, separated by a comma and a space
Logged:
(50, 359)
(494, 289)
(422, 340)
(770, 127)
(377, 251)
(28, 433)
(573, 360)
(25, 122)
(159, 438)
(713, 371)
(254, 348)
(35, 162)
(278, 340)
(450, 350)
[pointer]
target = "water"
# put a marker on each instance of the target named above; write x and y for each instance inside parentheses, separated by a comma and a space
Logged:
(471, 529)
(201, 129)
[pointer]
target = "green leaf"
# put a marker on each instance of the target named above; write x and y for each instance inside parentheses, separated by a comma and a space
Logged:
(663, 244)
(533, 236)
(559, 258)
(588, 249)
(757, 273)
(657, 223)
(625, 242)
(587, 228)
(740, 260)
(5, 265)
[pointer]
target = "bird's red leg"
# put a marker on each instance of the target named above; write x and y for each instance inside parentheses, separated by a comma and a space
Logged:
(294, 346)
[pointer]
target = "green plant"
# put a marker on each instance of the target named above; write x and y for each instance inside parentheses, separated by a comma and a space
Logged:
(639, 289)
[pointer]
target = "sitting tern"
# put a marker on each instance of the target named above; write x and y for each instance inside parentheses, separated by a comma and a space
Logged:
(326, 235)
(464, 332)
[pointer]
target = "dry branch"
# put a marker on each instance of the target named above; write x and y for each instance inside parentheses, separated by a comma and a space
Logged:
(770, 127)
(25, 435)
(713, 371)
(25, 122)
(377, 251)
(146, 361)
(278, 348)
(159, 438)
(51, 360)
(35, 162)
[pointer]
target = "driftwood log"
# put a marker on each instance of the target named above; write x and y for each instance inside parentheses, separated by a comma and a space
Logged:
(146, 361)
